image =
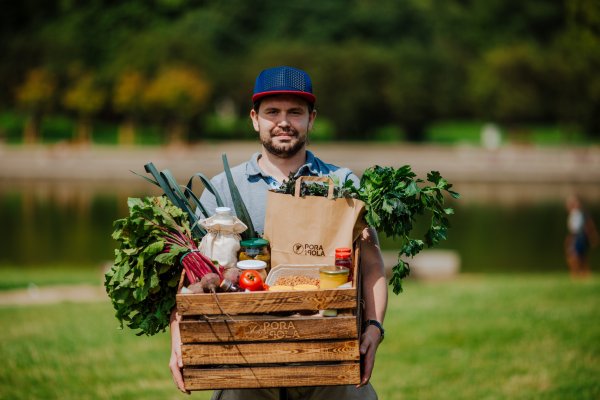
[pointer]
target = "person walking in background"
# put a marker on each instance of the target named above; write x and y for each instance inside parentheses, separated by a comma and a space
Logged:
(581, 236)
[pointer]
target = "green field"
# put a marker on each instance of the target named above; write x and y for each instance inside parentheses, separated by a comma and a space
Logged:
(13, 277)
(476, 337)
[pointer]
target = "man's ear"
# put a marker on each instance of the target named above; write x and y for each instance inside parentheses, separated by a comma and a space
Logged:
(311, 119)
(254, 118)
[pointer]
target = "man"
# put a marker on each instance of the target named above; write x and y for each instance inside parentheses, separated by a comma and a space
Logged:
(283, 115)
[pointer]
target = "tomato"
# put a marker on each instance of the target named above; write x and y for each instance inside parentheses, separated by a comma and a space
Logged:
(251, 280)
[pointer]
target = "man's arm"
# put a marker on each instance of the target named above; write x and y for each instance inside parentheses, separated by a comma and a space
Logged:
(175, 363)
(374, 291)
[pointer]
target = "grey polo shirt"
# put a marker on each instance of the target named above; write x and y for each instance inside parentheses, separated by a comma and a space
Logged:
(253, 185)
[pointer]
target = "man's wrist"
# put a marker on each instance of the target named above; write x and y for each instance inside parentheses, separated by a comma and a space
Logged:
(378, 325)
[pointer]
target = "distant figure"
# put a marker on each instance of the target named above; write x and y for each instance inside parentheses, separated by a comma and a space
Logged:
(581, 235)
(491, 136)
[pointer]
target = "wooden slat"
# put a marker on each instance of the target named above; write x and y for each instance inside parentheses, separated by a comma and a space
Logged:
(262, 353)
(262, 329)
(264, 377)
(265, 302)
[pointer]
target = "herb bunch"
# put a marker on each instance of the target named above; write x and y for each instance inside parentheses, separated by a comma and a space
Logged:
(317, 188)
(143, 281)
(394, 200)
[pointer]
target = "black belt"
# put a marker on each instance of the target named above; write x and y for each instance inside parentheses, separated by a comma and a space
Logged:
(283, 394)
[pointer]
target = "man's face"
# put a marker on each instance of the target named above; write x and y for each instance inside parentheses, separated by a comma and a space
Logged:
(283, 123)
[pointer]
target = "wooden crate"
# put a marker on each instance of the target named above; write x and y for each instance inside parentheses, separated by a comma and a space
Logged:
(270, 339)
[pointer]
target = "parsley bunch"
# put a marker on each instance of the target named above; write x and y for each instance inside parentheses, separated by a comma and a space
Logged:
(394, 200)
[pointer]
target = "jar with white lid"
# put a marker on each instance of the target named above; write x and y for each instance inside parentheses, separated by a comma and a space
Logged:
(256, 265)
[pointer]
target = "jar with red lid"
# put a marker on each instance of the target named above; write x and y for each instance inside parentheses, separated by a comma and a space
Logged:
(343, 258)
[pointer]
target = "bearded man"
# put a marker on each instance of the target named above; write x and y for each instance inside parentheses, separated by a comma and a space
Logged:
(283, 114)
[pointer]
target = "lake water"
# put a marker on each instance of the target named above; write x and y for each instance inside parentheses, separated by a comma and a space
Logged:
(501, 227)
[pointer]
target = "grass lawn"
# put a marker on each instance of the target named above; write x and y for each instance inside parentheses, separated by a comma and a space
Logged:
(13, 277)
(476, 337)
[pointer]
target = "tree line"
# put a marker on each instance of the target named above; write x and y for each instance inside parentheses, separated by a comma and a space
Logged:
(181, 64)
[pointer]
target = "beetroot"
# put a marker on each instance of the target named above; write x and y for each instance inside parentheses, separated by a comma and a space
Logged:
(210, 282)
(232, 275)
(196, 287)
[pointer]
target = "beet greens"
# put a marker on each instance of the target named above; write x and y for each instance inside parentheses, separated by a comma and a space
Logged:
(155, 244)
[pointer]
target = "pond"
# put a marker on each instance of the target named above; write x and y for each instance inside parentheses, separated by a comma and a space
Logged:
(501, 227)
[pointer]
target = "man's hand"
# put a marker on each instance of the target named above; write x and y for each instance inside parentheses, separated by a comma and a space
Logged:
(176, 363)
(368, 347)
(374, 291)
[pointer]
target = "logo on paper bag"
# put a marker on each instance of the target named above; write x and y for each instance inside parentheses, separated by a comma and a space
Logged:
(309, 249)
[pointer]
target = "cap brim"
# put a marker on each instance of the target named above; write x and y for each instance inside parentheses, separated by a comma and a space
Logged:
(305, 95)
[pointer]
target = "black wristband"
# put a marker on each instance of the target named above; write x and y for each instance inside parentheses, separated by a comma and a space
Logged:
(378, 325)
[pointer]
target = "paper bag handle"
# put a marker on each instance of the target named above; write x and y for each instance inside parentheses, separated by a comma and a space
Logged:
(324, 179)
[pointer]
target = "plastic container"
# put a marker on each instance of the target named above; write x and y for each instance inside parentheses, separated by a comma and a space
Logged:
(256, 265)
(255, 249)
(285, 270)
(333, 276)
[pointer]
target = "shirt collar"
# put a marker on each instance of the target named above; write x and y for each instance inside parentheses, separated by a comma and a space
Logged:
(252, 168)
(311, 166)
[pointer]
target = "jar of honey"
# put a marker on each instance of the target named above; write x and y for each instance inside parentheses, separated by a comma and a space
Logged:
(333, 276)
(255, 249)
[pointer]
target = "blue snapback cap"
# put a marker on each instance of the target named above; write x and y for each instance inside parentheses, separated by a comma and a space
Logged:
(283, 80)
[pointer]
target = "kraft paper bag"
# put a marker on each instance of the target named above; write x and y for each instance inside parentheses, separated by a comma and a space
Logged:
(307, 230)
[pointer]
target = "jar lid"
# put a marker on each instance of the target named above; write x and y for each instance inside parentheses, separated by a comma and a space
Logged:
(221, 210)
(251, 264)
(343, 250)
(334, 270)
(254, 242)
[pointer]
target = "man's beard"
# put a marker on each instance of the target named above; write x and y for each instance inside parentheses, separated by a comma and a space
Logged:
(283, 151)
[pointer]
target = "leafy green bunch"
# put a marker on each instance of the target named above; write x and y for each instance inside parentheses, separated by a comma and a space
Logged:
(394, 199)
(346, 189)
(143, 281)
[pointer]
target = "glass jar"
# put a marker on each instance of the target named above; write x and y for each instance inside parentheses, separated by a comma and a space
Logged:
(256, 249)
(229, 286)
(343, 258)
(223, 216)
(256, 265)
(333, 276)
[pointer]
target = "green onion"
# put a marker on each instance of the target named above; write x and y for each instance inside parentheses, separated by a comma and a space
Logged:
(240, 208)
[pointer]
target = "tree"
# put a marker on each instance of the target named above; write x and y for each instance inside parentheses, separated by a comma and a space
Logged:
(412, 88)
(85, 97)
(128, 100)
(574, 62)
(177, 94)
(35, 96)
(507, 84)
